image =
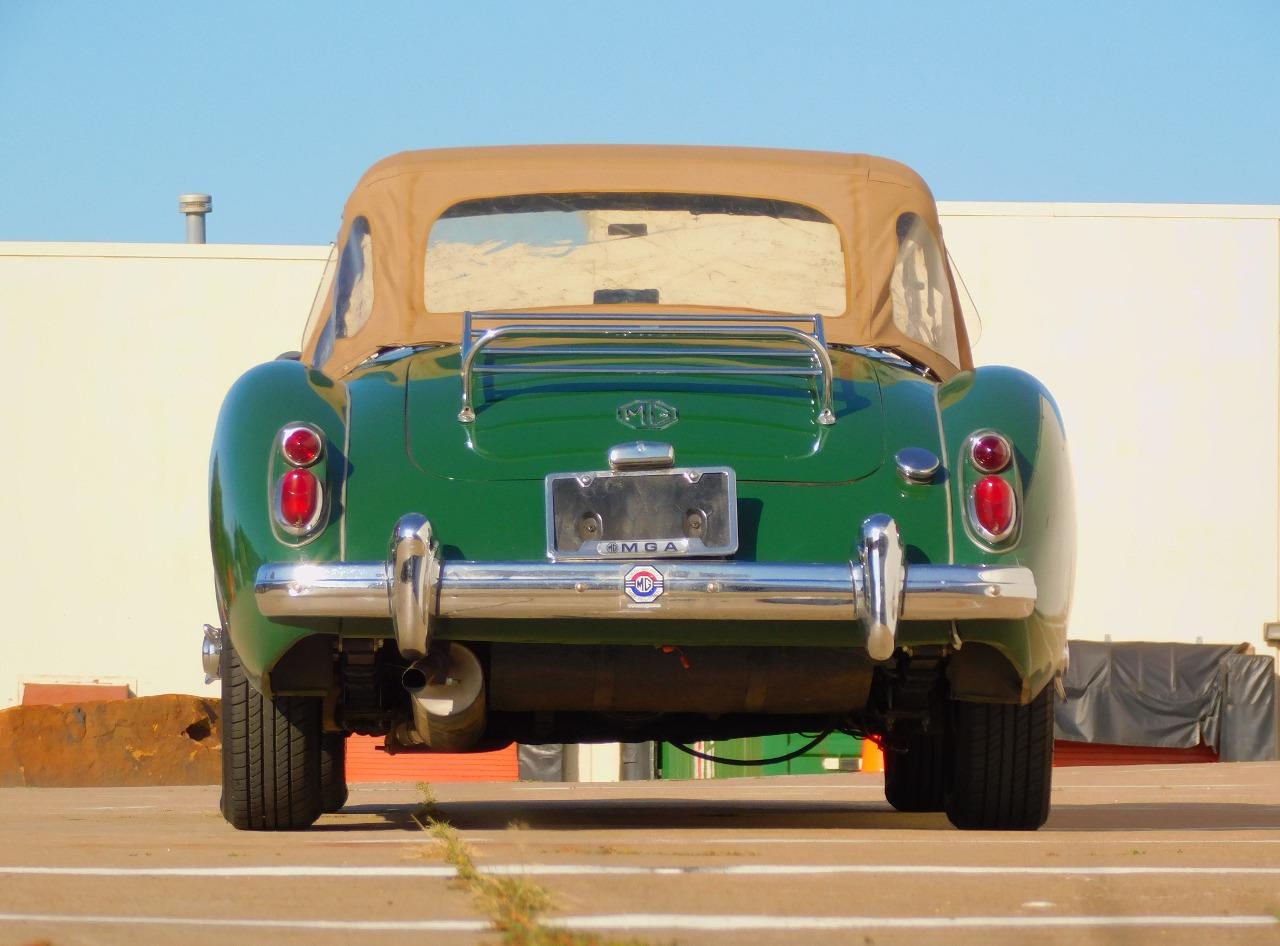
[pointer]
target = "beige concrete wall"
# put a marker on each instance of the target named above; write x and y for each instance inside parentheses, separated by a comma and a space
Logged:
(117, 359)
(1157, 328)
(593, 762)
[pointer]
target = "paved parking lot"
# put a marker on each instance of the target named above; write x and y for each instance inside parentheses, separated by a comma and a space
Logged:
(1176, 854)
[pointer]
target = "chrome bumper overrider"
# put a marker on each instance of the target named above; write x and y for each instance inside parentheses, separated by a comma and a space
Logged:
(414, 588)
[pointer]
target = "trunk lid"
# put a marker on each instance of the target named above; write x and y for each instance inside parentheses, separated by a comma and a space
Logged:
(528, 425)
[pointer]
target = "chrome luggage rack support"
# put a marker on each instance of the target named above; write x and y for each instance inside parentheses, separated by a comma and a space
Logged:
(807, 358)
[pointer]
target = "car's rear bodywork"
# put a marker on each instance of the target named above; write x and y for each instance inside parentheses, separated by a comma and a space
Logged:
(627, 519)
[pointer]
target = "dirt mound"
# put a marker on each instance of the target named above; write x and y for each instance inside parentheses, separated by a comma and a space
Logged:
(153, 740)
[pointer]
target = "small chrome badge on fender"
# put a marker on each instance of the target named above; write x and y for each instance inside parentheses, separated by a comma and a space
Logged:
(648, 414)
(643, 584)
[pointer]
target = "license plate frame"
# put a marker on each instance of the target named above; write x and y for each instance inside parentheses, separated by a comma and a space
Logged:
(642, 514)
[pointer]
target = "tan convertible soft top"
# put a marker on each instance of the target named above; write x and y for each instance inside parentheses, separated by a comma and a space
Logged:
(401, 196)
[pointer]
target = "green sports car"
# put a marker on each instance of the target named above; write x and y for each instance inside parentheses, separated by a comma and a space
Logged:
(640, 443)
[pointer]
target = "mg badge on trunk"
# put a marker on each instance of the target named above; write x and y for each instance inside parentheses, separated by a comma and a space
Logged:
(643, 583)
(648, 414)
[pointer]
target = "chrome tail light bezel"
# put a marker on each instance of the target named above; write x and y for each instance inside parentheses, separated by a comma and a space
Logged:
(973, 474)
(282, 466)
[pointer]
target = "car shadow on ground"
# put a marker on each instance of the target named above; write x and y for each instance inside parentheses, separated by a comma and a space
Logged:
(566, 815)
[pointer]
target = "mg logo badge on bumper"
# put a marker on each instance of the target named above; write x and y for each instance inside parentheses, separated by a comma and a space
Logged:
(643, 584)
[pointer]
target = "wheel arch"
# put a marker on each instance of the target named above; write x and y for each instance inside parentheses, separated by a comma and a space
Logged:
(1018, 406)
(241, 531)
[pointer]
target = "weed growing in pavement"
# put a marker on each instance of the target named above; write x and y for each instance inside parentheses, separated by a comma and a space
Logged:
(512, 904)
(428, 811)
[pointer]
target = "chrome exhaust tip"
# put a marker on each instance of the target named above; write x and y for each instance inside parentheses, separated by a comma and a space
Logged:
(449, 706)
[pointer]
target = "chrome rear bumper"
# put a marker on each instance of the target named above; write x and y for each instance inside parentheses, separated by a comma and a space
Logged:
(414, 588)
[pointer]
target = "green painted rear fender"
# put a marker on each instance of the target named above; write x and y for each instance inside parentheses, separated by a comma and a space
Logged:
(1015, 404)
(258, 405)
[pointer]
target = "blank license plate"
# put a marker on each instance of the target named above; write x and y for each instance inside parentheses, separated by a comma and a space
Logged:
(642, 514)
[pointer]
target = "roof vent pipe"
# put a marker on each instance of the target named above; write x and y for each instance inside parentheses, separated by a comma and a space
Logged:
(195, 206)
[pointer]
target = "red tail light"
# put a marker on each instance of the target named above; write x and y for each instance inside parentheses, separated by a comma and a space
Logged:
(993, 506)
(299, 500)
(990, 452)
(301, 446)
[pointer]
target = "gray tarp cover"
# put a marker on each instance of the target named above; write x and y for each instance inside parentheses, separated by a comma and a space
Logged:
(541, 763)
(1170, 696)
(1248, 709)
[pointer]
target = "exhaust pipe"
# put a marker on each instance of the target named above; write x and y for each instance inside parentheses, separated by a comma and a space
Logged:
(194, 207)
(449, 711)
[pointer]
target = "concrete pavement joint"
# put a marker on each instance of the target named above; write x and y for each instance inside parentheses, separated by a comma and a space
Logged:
(754, 842)
(580, 870)
(744, 922)
(667, 921)
(369, 926)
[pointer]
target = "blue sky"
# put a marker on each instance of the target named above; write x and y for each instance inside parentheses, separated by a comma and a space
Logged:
(110, 110)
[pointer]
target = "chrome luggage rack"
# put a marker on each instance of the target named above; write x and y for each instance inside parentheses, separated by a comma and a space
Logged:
(807, 357)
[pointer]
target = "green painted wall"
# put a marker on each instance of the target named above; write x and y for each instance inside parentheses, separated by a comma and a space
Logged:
(675, 764)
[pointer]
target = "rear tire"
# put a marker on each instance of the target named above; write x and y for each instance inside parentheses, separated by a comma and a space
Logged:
(333, 771)
(1001, 764)
(915, 779)
(270, 754)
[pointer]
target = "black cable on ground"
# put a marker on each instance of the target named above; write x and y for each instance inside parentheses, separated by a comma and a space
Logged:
(782, 758)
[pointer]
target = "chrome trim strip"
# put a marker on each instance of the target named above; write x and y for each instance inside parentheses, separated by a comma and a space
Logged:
(346, 459)
(754, 370)
(691, 590)
(627, 327)
(730, 351)
(942, 445)
(705, 589)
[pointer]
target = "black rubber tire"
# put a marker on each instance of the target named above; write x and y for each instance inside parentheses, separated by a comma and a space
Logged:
(1001, 764)
(333, 771)
(915, 779)
(270, 754)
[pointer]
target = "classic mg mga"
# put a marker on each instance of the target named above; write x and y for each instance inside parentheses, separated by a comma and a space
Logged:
(621, 444)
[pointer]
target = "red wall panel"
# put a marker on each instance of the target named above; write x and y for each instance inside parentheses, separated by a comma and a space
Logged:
(58, 694)
(366, 762)
(1088, 753)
